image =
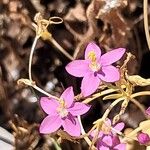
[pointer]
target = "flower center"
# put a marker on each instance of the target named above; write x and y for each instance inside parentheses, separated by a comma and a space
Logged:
(63, 112)
(93, 65)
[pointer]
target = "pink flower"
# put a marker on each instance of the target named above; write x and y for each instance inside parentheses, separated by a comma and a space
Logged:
(62, 113)
(143, 138)
(107, 139)
(95, 68)
(148, 111)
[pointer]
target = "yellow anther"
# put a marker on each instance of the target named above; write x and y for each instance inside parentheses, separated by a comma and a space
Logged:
(62, 109)
(62, 103)
(92, 56)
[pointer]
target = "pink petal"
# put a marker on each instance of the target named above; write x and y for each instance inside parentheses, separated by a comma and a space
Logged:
(108, 140)
(49, 105)
(50, 124)
(89, 84)
(120, 147)
(78, 68)
(108, 122)
(109, 74)
(92, 47)
(103, 148)
(78, 109)
(115, 140)
(68, 96)
(93, 133)
(148, 111)
(71, 125)
(119, 126)
(112, 56)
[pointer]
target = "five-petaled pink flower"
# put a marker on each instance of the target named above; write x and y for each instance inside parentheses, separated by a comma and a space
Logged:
(107, 138)
(95, 68)
(62, 113)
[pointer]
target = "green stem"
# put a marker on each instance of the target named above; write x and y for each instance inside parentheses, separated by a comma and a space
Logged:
(86, 138)
(31, 56)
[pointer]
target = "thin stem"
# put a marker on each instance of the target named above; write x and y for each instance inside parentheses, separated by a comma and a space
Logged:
(41, 91)
(140, 94)
(55, 144)
(113, 104)
(44, 92)
(31, 56)
(139, 106)
(53, 41)
(88, 100)
(83, 132)
(32, 84)
(105, 115)
(145, 8)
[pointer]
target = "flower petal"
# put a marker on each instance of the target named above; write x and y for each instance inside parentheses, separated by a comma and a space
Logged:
(103, 148)
(68, 96)
(50, 124)
(116, 140)
(78, 68)
(71, 125)
(92, 47)
(120, 147)
(89, 84)
(49, 105)
(108, 140)
(93, 133)
(119, 126)
(148, 111)
(108, 122)
(78, 109)
(143, 138)
(112, 56)
(109, 74)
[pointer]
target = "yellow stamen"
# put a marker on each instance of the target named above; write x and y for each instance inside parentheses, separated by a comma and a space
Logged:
(62, 103)
(62, 109)
(92, 56)
(93, 65)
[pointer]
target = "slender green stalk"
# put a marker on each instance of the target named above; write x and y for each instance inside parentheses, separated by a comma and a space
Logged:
(83, 132)
(139, 106)
(105, 115)
(31, 56)
(140, 94)
(63, 51)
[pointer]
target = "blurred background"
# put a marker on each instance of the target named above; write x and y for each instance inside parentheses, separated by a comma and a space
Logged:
(110, 23)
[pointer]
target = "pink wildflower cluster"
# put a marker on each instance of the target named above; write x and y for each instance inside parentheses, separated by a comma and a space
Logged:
(94, 69)
(107, 139)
